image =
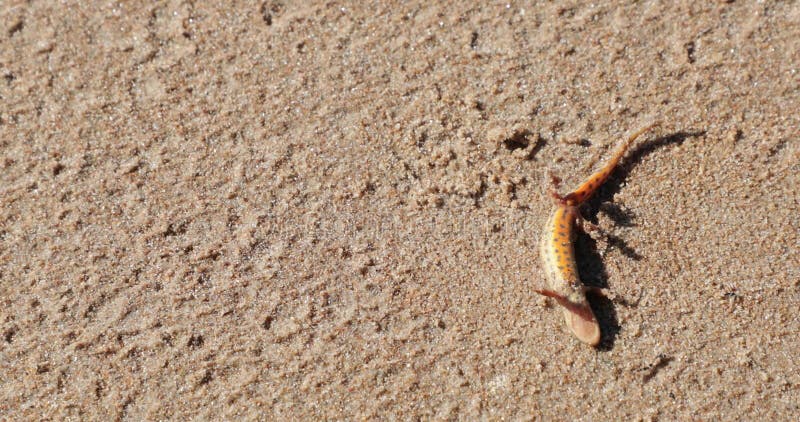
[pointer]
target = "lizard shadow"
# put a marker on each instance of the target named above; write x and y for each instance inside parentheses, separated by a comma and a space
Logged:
(591, 268)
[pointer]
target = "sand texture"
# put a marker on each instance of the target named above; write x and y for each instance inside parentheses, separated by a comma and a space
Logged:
(303, 210)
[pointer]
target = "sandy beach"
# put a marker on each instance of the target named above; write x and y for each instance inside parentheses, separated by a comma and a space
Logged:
(313, 210)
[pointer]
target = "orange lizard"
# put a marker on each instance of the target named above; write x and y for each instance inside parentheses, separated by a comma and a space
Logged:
(558, 254)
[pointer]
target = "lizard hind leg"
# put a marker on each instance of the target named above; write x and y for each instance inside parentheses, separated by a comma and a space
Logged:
(582, 310)
(579, 318)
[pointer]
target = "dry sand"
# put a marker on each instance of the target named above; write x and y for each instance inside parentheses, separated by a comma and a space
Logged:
(330, 210)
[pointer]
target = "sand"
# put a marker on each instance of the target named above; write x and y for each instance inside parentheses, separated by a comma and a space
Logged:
(330, 210)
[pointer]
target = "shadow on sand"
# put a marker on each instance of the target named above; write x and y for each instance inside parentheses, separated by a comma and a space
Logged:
(590, 264)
